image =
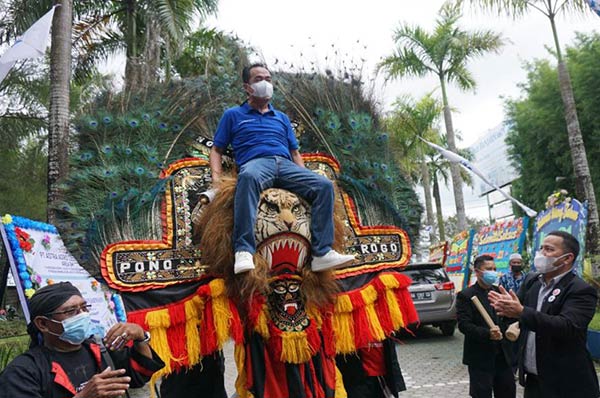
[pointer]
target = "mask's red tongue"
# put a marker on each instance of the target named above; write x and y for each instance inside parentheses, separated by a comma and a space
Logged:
(291, 309)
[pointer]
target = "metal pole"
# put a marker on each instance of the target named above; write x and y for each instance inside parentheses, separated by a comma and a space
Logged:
(487, 198)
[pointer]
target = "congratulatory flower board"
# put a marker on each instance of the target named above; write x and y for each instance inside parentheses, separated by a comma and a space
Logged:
(38, 257)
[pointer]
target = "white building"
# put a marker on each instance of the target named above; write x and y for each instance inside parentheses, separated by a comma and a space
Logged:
(491, 157)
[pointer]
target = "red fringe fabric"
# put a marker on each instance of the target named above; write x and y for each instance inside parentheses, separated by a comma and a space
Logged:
(208, 334)
(176, 337)
(236, 328)
(327, 332)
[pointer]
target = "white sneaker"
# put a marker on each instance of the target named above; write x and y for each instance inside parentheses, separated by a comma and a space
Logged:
(330, 260)
(243, 262)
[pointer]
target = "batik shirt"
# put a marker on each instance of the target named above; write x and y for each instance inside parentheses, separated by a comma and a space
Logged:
(509, 282)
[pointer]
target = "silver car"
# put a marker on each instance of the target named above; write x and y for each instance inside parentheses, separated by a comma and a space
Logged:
(434, 296)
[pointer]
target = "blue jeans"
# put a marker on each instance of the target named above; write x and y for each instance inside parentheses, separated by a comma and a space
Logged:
(259, 174)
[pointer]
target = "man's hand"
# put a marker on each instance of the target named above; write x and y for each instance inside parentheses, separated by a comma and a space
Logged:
(506, 303)
(109, 383)
(121, 333)
(495, 333)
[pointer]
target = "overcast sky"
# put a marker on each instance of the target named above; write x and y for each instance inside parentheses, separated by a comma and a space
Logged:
(284, 29)
(288, 32)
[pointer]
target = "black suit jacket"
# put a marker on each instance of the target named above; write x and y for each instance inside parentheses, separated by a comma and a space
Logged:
(479, 351)
(563, 363)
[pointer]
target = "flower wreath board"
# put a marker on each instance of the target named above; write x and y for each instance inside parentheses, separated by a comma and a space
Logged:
(38, 257)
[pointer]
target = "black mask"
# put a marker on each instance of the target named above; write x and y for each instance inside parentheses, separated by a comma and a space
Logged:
(516, 268)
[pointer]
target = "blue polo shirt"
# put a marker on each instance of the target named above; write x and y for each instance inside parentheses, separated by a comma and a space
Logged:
(254, 135)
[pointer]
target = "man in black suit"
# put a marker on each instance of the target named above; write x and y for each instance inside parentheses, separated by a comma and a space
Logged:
(487, 355)
(556, 308)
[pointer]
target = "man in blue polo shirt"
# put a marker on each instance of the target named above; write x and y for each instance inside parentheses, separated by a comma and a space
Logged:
(266, 154)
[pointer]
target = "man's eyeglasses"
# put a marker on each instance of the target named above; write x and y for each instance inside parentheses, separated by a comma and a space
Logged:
(73, 311)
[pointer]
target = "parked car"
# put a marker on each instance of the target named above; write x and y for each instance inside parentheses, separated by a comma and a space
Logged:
(434, 296)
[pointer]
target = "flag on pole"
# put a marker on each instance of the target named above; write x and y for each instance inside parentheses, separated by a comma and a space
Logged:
(32, 44)
(595, 5)
(455, 158)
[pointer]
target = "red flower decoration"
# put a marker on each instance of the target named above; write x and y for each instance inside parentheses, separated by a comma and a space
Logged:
(25, 241)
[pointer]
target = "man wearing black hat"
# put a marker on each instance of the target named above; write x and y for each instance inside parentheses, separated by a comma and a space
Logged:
(62, 362)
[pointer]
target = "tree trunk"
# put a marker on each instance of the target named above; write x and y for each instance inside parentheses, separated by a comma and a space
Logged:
(583, 179)
(151, 58)
(438, 209)
(134, 64)
(427, 193)
(454, 168)
(58, 118)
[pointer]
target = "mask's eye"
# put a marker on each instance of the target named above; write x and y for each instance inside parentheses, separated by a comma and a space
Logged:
(293, 287)
(272, 207)
(279, 289)
(297, 209)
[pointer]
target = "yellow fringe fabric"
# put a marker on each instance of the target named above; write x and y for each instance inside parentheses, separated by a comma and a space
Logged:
(343, 327)
(369, 296)
(295, 347)
(221, 311)
(158, 322)
(262, 326)
(395, 313)
(240, 362)
(389, 281)
(343, 304)
(193, 311)
(340, 390)
(314, 314)
(344, 312)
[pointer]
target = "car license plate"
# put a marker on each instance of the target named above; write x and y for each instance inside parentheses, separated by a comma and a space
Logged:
(421, 296)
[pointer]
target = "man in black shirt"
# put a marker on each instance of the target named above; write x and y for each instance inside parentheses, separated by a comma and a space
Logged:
(487, 355)
(63, 362)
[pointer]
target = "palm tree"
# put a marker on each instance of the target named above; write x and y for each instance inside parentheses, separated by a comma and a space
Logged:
(150, 32)
(583, 178)
(444, 53)
(438, 169)
(58, 116)
(408, 122)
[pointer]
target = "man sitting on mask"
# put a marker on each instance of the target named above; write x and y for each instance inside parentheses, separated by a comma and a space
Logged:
(266, 154)
(554, 308)
(514, 279)
(62, 362)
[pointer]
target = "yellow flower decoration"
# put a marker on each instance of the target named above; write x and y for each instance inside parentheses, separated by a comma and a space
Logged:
(29, 292)
(7, 219)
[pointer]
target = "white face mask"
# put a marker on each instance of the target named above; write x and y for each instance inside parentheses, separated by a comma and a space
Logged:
(544, 264)
(262, 89)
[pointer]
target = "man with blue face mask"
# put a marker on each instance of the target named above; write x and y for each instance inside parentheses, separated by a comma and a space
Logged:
(62, 362)
(554, 308)
(266, 155)
(487, 355)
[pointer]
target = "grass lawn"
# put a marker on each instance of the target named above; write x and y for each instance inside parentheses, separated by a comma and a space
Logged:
(12, 346)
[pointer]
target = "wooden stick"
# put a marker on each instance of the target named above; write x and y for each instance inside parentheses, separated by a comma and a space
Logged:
(483, 312)
(513, 331)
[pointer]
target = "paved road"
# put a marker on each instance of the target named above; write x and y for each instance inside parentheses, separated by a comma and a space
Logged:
(431, 364)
